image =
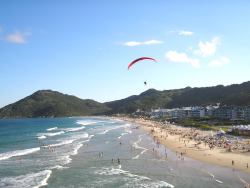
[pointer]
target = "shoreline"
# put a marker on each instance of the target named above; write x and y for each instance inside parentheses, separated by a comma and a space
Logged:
(189, 148)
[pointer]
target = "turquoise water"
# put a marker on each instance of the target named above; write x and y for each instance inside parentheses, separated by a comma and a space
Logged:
(78, 152)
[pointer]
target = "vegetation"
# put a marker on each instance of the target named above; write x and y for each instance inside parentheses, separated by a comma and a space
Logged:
(237, 94)
(47, 103)
(196, 123)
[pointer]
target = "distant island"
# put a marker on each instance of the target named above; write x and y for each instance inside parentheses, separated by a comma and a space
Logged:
(48, 103)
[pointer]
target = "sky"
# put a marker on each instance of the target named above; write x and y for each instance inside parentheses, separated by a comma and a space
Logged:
(83, 48)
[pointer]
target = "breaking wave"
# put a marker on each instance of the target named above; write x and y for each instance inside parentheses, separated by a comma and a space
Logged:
(133, 180)
(74, 129)
(51, 129)
(7, 155)
(32, 180)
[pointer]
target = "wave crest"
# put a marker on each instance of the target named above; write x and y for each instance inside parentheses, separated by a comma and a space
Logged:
(7, 155)
(32, 180)
(52, 129)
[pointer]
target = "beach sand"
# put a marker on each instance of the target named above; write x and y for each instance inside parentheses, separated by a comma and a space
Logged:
(202, 153)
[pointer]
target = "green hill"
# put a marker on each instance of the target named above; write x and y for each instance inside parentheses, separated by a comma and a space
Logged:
(236, 94)
(48, 103)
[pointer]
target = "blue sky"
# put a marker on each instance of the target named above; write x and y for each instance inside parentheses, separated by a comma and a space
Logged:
(83, 47)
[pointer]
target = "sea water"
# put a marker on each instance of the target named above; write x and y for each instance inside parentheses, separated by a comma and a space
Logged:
(97, 152)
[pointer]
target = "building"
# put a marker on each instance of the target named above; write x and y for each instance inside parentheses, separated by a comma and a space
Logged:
(225, 113)
(234, 113)
(210, 109)
(197, 112)
(247, 113)
(159, 112)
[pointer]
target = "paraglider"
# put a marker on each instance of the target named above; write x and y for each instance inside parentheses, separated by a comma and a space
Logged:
(140, 59)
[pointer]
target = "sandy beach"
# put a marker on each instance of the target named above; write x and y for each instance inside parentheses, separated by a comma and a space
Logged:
(190, 147)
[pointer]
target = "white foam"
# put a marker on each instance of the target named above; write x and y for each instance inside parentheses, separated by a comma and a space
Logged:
(213, 177)
(51, 129)
(136, 146)
(156, 184)
(81, 136)
(50, 134)
(44, 181)
(41, 137)
(122, 135)
(32, 180)
(210, 174)
(59, 167)
(127, 125)
(118, 120)
(84, 122)
(7, 155)
(137, 156)
(74, 129)
(80, 144)
(65, 142)
(140, 180)
(129, 131)
(114, 127)
(65, 160)
(110, 171)
(105, 131)
(91, 136)
(75, 151)
(218, 181)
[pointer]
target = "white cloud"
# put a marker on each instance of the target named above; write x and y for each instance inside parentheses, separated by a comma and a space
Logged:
(17, 37)
(207, 48)
(132, 43)
(136, 43)
(222, 61)
(177, 57)
(185, 33)
(152, 42)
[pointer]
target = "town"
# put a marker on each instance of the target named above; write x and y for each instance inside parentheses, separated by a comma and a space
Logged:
(232, 119)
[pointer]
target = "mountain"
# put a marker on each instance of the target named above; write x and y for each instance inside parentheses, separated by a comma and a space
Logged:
(48, 103)
(236, 94)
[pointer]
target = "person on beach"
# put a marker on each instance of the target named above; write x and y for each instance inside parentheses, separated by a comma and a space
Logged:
(118, 161)
(232, 162)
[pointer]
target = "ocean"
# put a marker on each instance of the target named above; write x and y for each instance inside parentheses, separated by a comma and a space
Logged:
(98, 152)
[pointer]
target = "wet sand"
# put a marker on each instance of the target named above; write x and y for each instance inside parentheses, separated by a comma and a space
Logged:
(123, 154)
(202, 153)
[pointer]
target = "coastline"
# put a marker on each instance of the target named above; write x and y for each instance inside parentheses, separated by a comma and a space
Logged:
(217, 156)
